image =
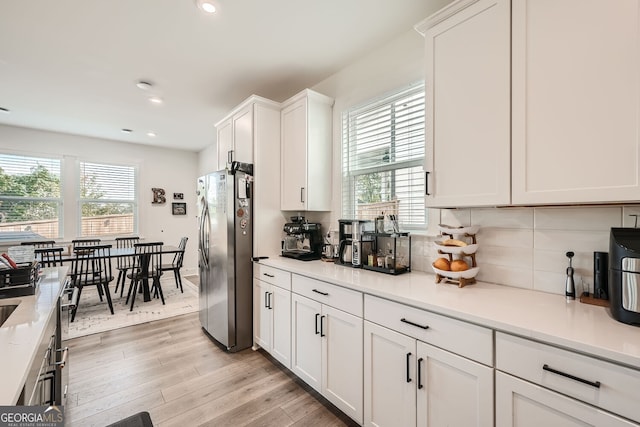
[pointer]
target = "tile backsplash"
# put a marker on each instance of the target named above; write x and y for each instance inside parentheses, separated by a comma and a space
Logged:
(526, 247)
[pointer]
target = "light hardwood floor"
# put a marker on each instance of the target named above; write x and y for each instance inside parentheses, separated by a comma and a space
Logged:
(171, 369)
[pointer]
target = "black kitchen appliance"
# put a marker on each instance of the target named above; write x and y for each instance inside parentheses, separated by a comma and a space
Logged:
(303, 239)
(353, 241)
(624, 274)
(601, 275)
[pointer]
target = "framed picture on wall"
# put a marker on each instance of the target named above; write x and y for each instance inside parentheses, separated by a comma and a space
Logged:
(179, 208)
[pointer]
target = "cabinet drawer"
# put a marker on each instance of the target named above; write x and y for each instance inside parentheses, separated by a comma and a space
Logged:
(604, 384)
(272, 275)
(465, 339)
(326, 293)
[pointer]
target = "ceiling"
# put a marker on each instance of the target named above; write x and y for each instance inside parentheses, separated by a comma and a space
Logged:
(72, 65)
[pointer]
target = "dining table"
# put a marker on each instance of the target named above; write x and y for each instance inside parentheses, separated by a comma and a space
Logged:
(125, 252)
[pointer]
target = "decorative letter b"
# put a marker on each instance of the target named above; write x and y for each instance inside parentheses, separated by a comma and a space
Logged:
(158, 196)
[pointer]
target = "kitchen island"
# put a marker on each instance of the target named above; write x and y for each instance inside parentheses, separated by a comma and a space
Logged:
(24, 330)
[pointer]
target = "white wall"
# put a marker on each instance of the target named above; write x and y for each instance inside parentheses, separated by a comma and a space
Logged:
(172, 170)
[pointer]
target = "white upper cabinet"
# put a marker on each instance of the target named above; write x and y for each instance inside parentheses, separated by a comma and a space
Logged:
(552, 119)
(250, 133)
(467, 127)
(306, 152)
(236, 133)
(576, 101)
(225, 143)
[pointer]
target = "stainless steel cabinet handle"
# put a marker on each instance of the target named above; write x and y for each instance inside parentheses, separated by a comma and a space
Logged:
(317, 331)
(302, 194)
(63, 361)
(270, 301)
(420, 373)
(408, 367)
(266, 299)
(320, 292)
(595, 384)
(403, 320)
(230, 156)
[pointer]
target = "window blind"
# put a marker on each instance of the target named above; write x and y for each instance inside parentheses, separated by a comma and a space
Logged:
(108, 202)
(382, 158)
(30, 195)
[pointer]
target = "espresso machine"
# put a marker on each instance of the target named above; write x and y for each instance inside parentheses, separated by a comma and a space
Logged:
(303, 240)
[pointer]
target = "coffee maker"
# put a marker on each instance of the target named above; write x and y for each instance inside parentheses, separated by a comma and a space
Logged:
(352, 239)
(303, 239)
(624, 274)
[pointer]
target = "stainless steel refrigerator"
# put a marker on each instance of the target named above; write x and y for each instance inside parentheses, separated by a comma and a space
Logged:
(225, 249)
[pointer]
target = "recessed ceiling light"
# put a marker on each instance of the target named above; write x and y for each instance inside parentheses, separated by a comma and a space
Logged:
(151, 134)
(4, 110)
(155, 100)
(127, 130)
(206, 5)
(144, 85)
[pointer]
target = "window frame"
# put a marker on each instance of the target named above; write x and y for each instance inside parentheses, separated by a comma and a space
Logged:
(80, 202)
(57, 200)
(351, 174)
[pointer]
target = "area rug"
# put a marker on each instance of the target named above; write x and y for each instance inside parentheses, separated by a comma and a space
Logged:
(93, 315)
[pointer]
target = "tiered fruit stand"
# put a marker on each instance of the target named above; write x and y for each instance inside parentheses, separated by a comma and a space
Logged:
(466, 253)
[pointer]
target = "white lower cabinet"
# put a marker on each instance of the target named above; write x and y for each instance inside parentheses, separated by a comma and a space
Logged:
(559, 387)
(272, 313)
(327, 351)
(523, 404)
(408, 382)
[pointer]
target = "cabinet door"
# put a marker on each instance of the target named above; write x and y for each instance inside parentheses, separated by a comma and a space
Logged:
(294, 156)
(306, 344)
(262, 314)
(452, 390)
(281, 316)
(225, 143)
(342, 361)
(523, 404)
(243, 135)
(389, 377)
(467, 153)
(576, 109)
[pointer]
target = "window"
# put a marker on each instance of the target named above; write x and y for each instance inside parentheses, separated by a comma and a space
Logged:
(382, 158)
(108, 203)
(30, 195)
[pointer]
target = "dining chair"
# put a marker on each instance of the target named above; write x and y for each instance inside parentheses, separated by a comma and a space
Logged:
(176, 264)
(91, 266)
(39, 243)
(49, 257)
(84, 242)
(124, 263)
(147, 261)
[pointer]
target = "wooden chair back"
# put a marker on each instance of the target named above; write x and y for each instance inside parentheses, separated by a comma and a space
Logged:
(39, 243)
(147, 259)
(49, 257)
(125, 262)
(91, 265)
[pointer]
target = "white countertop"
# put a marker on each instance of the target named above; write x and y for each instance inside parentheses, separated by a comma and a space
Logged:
(23, 331)
(545, 317)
